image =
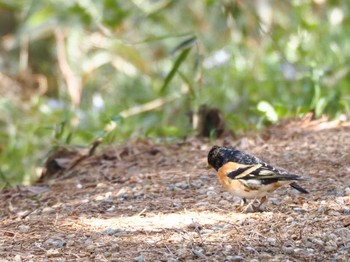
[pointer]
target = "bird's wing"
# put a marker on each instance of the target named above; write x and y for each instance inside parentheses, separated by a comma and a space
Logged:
(266, 174)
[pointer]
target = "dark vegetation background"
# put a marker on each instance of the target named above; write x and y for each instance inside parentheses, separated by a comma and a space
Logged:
(74, 71)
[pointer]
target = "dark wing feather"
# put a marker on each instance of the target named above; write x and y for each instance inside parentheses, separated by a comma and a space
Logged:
(265, 174)
(238, 171)
(299, 188)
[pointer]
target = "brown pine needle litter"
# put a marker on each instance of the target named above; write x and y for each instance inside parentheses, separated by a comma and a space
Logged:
(147, 201)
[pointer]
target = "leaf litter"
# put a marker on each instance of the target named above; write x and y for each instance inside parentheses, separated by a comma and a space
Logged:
(148, 201)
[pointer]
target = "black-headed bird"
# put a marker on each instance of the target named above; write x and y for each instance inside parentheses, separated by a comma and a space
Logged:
(249, 177)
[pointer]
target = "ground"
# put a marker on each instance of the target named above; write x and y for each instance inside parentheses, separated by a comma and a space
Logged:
(148, 201)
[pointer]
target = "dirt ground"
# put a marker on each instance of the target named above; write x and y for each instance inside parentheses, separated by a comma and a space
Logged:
(148, 201)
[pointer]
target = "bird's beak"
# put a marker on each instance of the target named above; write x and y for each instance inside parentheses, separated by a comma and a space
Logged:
(208, 167)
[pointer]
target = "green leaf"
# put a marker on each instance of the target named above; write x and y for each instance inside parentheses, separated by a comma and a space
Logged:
(189, 84)
(5, 180)
(320, 106)
(174, 69)
(268, 110)
(185, 44)
(118, 119)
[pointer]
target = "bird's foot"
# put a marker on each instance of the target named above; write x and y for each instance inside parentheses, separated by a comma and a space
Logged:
(250, 207)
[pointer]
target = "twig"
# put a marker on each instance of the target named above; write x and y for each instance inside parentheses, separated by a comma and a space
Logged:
(95, 144)
(73, 81)
(159, 102)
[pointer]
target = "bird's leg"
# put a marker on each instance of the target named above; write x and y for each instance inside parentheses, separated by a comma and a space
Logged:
(241, 205)
(249, 205)
(262, 201)
(243, 202)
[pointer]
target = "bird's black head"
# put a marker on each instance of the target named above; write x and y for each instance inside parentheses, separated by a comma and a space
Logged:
(216, 157)
(220, 155)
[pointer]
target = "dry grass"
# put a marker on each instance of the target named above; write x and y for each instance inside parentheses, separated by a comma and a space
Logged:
(158, 202)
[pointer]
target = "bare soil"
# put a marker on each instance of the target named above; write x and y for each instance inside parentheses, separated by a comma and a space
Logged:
(148, 201)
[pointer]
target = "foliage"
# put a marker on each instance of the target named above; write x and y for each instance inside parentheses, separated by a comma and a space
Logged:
(129, 69)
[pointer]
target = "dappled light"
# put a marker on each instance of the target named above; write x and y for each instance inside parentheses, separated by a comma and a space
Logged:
(146, 221)
(108, 110)
(154, 201)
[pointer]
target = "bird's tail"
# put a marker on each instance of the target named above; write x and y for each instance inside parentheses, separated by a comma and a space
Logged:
(299, 188)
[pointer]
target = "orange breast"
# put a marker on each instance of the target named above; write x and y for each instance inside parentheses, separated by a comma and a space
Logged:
(224, 180)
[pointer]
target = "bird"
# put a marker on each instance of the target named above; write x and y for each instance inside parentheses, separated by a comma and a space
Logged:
(249, 177)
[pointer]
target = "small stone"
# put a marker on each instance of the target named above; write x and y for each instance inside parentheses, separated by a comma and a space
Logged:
(289, 219)
(317, 241)
(331, 246)
(346, 210)
(70, 243)
(228, 248)
(17, 258)
(140, 258)
(205, 231)
(37, 245)
(114, 248)
(234, 258)
(340, 201)
(52, 252)
(181, 252)
(288, 250)
(275, 201)
(298, 250)
(197, 184)
(271, 241)
(199, 253)
(91, 248)
(299, 210)
(172, 260)
(308, 243)
(56, 242)
(224, 202)
(288, 243)
(347, 191)
(217, 227)
(181, 185)
(250, 249)
(111, 231)
(111, 209)
(86, 241)
(99, 198)
(194, 225)
(200, 204)
(48, 210)
(212, 194)
(332, 236)
(265, 256)
(309, 251)
(131, 207)
(24, 228)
